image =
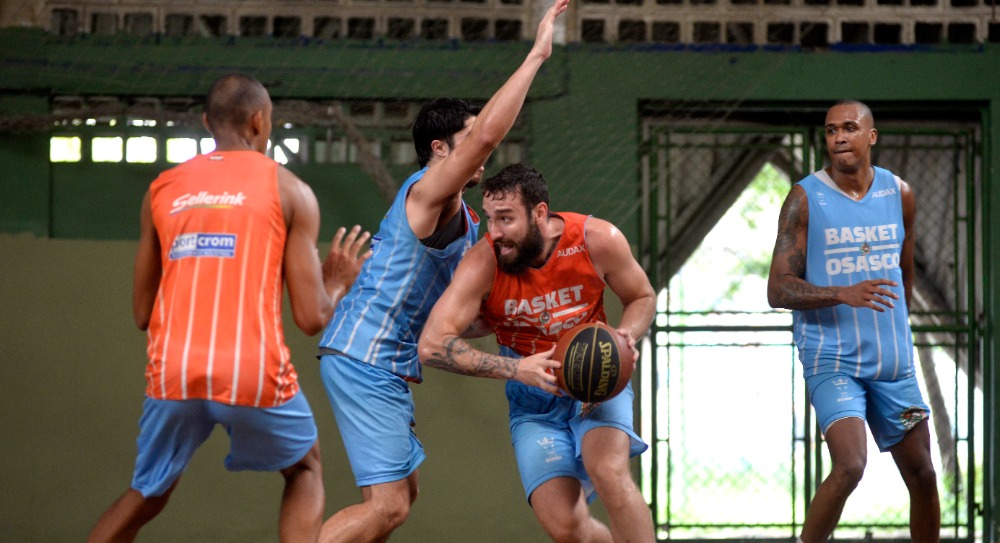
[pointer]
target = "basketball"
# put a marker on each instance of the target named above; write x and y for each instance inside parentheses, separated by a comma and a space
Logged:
(596, 362)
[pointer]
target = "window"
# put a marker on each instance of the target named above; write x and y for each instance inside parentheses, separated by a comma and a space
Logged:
(105, 24)
(398, 28)
(592, 31)
(287, 148)
(854, 33)
(813, 34)
(327, 28)
(287, 27)
(140, 149)
(177, 25)
(434, 29)
(106, 149)
(739, 33)
(65, 22)
(631, 31)
(962, 33)
(254, 26)
(888, 34)
(181, 149)
(139, 24)
(707, 32)
(507, 30)
(211, 25)
(928, 33)
(474, 29)
(65, 149)
(360, 28)
(666, 32)
(781, 33)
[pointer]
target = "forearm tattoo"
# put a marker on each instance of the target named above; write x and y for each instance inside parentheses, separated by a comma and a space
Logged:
(459, 357)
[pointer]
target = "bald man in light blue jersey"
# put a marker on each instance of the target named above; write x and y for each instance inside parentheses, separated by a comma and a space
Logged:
(368, 354)
(843, 261)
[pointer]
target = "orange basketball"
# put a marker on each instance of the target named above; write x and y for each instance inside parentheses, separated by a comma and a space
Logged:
(596, 362)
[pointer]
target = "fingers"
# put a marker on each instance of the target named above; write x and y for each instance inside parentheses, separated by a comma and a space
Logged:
(351, 242)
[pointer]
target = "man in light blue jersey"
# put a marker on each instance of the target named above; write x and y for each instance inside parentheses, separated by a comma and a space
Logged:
(843, 261)
(368, 355)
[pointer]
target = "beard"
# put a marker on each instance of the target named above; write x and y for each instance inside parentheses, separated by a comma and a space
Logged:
(526, 252)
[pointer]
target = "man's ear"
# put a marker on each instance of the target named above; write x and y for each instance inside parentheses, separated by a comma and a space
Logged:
(874, 136)
(204, 121)
(440, 148)
(541, 212)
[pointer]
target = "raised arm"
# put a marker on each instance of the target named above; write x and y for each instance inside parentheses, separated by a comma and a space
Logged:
(448, 177)
(612, 258)
(786, 284)
(441, 345)
(315, 289)
(148, 267)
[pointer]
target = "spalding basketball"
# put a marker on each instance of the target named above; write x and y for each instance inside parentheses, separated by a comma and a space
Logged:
(596, 362)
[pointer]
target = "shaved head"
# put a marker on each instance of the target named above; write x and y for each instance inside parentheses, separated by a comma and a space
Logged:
(866, 112)
(232, 100)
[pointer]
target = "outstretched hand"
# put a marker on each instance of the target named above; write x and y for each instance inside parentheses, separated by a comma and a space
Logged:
(536, 371)
(343, 262)
(870, 294)
(546, 28)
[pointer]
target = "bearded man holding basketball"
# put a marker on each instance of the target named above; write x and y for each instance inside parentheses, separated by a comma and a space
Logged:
(566, 450)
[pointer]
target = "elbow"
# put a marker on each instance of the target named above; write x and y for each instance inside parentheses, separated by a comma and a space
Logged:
(311, 326)
(773, 299)
(425, 351)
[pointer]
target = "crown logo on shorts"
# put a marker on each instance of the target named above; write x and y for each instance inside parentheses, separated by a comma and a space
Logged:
(840, 382)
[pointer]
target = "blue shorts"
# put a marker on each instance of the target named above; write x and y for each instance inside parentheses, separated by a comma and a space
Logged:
(261, 439)
(374, 411)
(547, 433)
(891, 408)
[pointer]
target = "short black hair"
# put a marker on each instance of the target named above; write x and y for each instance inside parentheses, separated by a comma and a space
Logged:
(518, 179)
(440, 119)
(233, 99)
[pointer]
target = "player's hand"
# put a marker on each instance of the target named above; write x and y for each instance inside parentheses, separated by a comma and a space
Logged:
(343, 262)
(546, 29)
(871, 294)
(536, 371)
(630, 341)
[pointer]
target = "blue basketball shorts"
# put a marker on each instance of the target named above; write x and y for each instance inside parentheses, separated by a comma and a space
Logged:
(891, 408)
(547, 433)
(375, 413)
(260, 439)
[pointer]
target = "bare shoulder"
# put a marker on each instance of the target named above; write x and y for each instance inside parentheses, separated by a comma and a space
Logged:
(603, 236)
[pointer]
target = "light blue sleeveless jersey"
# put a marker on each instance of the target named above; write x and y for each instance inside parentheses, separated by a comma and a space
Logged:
(380, 319)
(850, 242)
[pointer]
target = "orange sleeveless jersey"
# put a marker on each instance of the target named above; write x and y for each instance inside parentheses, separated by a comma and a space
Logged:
(528, 312)
(215, 332)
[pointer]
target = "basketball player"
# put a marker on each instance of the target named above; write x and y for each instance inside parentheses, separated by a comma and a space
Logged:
(218, 234)
(535, 275)
(368, 353)
(843, 260)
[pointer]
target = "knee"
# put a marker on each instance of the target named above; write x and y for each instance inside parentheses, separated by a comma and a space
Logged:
(394, 510)
(311, 463)
(611, 479)
(848, 473)
(568, 529)
(921, 477)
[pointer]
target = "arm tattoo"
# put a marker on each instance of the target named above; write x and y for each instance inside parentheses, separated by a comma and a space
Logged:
(795, 292)
(459, 357)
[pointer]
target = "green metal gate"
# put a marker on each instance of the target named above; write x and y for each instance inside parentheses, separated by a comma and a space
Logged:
(735, 452)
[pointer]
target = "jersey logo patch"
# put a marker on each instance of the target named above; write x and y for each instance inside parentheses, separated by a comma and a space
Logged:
(203, 244)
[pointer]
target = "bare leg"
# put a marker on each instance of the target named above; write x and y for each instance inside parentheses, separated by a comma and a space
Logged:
(303, 499)
(913, 458)
(561, 509)
(606, 458)
(122, 520)
(848, 446)
(384, 508)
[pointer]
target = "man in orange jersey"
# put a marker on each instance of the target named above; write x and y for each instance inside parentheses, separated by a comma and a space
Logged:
(218, 234)
(534, 276)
